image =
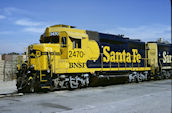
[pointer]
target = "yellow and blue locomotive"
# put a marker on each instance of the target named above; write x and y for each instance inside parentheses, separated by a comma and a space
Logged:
(70, 58)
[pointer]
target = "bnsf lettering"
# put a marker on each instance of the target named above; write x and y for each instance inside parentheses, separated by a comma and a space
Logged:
(167, 58)
(77, 65)
(122, 57)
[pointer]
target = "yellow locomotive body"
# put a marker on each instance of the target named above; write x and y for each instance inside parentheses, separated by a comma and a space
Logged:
(61, 60)
(66, 55)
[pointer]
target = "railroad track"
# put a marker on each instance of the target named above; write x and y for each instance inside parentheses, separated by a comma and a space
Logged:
(11, 94)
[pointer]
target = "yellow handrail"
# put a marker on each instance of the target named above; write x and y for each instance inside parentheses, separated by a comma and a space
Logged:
(54, 62)
(160, 63)
(40, 68)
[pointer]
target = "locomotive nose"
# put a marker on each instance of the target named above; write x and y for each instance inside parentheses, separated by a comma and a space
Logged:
(40, 55)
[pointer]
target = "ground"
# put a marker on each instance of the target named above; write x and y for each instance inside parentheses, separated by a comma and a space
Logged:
(146, 97)
(7, 87)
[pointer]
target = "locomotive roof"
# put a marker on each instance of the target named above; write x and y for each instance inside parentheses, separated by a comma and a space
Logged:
(93, 35)
(160, 43)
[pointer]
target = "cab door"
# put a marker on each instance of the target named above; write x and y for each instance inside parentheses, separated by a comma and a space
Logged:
(64, 45)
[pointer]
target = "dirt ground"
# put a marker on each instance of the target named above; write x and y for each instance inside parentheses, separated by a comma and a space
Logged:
(146, 97)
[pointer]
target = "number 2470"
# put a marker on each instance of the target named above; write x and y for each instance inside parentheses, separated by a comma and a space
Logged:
(76, 54)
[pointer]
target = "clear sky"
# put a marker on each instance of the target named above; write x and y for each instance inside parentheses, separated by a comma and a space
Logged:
(23, 21)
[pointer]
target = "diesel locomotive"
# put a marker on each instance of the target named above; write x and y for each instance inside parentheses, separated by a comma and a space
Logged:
(69, 58)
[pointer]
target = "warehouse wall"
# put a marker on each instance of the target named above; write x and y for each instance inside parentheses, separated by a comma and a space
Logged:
(8, 67)
(1, 69)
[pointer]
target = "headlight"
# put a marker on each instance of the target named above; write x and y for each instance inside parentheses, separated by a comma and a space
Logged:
(31, 47)
(28, 72)
(32, 66)
(48, 71)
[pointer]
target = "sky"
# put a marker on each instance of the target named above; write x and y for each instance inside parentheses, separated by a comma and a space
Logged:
(23, 21)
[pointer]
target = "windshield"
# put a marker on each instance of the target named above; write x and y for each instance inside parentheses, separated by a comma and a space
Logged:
(51, 39)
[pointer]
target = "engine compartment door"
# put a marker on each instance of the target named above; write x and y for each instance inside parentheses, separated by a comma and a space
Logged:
(64, 45)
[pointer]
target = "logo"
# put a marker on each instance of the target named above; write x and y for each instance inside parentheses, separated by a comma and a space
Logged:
(167, 58)
(35, 53)
(77, 65)
(121, 57)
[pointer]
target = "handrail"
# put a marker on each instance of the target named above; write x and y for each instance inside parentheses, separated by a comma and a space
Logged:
(27, 55)
(125, 65)
(118, 66)
(160, 63)
(49, 63)
(110, 64)
(54, 62)
(40, 69)
(101, 61)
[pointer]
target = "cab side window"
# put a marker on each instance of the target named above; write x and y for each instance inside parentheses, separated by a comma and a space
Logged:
(76, 43)
(63, 42)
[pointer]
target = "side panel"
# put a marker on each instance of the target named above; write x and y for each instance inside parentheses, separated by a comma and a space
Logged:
(117, 52)
(165, 56)
(152, 55)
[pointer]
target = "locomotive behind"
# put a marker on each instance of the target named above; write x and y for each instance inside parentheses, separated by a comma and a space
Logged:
(71, 58)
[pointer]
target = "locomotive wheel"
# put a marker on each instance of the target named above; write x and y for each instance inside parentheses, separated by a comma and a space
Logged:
(21, 85)
(167, 74)
(134, 80)
(26, 87)
(67, 85)
(160, 77)
(133, 77)
(32, 90)
(79, 85)
(139, 78)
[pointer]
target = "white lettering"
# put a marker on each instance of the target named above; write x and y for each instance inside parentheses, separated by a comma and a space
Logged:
(54, 33)
(167, 58)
